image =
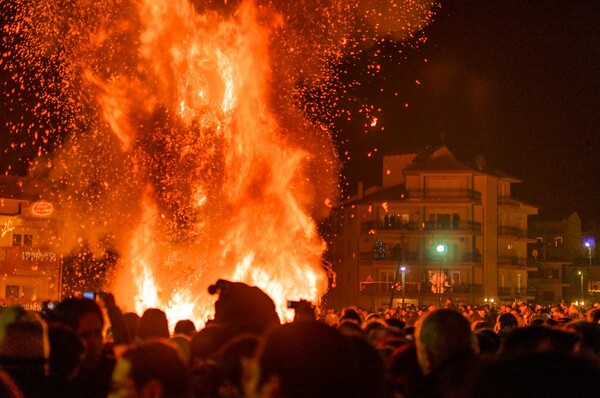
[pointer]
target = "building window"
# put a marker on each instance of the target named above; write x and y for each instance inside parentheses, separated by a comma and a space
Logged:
(386, 279)
(405, 218)
(17, 240)
(27, 240)
(439, 221)
(11, 292)
(558, 241)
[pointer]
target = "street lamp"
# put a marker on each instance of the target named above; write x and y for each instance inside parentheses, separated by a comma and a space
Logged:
(581, 277)
(441, 249)
(403, 269)
(589, 242)
(400, 260)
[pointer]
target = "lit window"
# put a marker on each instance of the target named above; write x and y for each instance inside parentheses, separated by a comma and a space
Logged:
(16, 240)
(558, 241)
(28, 240)
(405, 219)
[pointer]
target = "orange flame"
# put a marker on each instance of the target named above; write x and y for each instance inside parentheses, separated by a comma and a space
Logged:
(215, 71)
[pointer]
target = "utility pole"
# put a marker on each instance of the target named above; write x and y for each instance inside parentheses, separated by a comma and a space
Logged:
(399, 264)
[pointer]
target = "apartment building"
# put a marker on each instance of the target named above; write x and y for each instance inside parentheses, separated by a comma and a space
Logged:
(29, 244)
(564, 259)
(436, 228)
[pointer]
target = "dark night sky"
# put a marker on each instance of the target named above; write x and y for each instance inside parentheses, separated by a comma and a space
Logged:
(515, 81)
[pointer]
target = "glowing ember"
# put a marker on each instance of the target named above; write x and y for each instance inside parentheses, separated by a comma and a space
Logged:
(175, 137)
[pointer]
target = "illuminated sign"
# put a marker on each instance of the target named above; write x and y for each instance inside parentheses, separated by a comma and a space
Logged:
(38, 256)
(7, 227)
(42, 208)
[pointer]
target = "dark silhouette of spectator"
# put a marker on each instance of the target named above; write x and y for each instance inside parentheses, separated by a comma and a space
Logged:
(351, 328)
(304, 311)
(540, 375)
(526, 340)
(131, 320)
(242, 309)
(206, 381)
(447, 352)
(85, 317)
(397, 323)
(182, 336)
(153, 325)
(66, 350)
(150, 369)
(481, 324)
(230, 362)
(404, 372)
(24, 350)
(370, 369)
(308, 360)
(488, 341)
(350, 314)
(593, 315)
(205, 345)
(505, 323)
(185, 327)
(539, 319)
(589, 337)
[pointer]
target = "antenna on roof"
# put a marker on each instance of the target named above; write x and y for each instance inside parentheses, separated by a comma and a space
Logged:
(443, 137)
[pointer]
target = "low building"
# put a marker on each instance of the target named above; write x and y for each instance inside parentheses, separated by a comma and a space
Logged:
(454, 228)
(564, 264)
(29, 244)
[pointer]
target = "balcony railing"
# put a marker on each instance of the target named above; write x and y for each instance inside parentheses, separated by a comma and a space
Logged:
(512, 292)
(512, 231)
(462, 226)
(413, 256)
(467, 194)
(369, 288)
(512, 260)
(396, 226)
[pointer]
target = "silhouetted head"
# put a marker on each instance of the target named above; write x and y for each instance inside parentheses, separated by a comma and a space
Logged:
(153, 324)
(308, 360)
(86, 319)
(440, 335)
(243, 309)
(152, 368)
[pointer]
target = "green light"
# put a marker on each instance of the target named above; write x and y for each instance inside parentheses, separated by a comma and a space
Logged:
(440, 248)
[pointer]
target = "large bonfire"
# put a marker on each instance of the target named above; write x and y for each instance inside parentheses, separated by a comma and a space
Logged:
(182, 145)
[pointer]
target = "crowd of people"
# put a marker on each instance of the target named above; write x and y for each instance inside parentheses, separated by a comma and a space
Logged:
(89, 348)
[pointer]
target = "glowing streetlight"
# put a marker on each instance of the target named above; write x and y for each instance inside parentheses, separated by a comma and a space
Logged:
(441, 249)
(589, 242)
(403, 269)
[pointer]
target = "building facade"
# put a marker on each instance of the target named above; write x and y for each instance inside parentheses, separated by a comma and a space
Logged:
(29, 244)
(436, 228)
(565, 266)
